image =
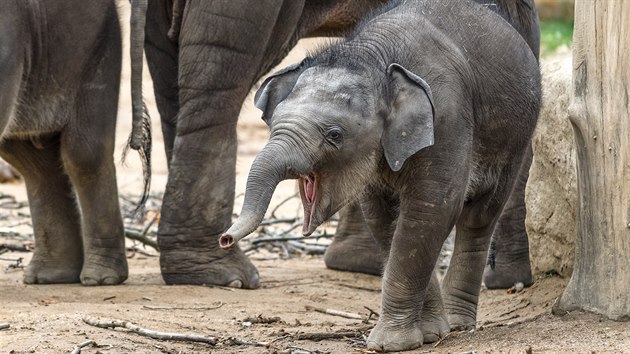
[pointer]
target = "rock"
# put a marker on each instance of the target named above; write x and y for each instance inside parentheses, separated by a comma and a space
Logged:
(551, 193)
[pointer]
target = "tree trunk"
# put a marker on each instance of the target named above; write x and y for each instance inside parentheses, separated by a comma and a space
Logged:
(600, 116)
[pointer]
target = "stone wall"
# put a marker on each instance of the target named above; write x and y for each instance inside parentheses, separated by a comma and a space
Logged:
(551, 192)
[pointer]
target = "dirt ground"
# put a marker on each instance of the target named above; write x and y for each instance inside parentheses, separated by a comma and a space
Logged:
(49, 319)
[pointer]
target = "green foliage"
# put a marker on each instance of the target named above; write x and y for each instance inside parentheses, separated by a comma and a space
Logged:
(555, 35)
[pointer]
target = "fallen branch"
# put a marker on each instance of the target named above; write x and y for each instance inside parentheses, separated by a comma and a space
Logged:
(241, 341)
(273, 212)
(435, 345)
(354, 316)
(358, 287)
(261, 319)
(316, 237)
(148, 332)
(297, 350)
(268, 222)
(183, 308)
(135, 250)
(138, 236)
(308, 248)
(16, 247)
(18, 264)
(322, 335)
(14, 205)
(372, 313)
(9, 232)
(288, 283)
(4, 326)
(78, 347)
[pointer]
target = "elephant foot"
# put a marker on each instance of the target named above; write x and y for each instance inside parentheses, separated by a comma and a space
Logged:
(504, 276)
(353, 249)
(387, 337)
(211, 267)
(459, 322)
(354, 253)
(434, 326)
(104, 270)
(52, 272)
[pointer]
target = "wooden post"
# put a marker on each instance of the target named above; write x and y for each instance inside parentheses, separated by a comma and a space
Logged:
(600, 115)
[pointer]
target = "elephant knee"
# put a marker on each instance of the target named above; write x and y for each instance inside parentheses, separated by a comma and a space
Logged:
(87, 158)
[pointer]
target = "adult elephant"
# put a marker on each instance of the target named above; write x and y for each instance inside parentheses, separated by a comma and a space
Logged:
(201, 79)
(202, 73)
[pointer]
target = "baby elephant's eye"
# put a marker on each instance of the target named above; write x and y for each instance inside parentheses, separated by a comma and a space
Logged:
(335, 137)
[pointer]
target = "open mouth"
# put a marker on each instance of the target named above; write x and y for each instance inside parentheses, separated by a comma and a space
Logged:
(308, 192)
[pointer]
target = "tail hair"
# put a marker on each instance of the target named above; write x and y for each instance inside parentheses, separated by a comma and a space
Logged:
(144, 151)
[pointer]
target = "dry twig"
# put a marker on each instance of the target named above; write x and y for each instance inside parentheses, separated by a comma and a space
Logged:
(148, 332)
(435, 345)
(241, 341)
(273, 212)
(323, 335)
(372, 313)
(78, 347)
(358, 287)
(138, 236)
(316, 237)
(274, 221)
(261, 319)
(16, 247)
(176, 308)
(354, 316)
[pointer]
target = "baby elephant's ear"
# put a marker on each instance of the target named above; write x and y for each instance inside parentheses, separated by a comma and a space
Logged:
(275, 89)
(409, 126)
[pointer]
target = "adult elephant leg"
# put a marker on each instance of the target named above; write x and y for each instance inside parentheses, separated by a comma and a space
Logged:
(353, 249)
(161, 55)
(58, 257)
(221, 47)
(508, 261)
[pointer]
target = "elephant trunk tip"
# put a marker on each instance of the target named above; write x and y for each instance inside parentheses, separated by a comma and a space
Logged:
(226, 241)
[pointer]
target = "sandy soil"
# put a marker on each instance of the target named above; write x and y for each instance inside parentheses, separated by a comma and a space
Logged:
(48, 319)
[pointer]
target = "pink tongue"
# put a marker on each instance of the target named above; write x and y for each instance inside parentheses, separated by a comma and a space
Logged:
(309, 190)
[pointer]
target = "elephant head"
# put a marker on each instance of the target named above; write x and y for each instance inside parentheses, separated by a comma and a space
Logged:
(331, 126)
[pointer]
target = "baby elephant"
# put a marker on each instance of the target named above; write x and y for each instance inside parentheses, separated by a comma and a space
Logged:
(425, 114)
(60, 71)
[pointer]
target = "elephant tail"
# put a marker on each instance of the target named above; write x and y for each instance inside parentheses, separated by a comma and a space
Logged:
(140, 138)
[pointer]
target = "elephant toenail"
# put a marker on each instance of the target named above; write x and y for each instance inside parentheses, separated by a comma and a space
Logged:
(235, 284)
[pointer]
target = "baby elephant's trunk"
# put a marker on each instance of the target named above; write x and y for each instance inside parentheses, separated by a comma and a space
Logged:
(269, 169)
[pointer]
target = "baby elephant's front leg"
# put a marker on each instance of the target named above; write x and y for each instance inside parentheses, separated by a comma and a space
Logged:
(407, 282)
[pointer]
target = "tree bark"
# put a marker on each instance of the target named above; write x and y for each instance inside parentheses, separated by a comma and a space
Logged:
(600, 116)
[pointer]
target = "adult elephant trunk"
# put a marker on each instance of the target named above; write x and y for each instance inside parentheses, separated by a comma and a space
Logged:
(270, 167)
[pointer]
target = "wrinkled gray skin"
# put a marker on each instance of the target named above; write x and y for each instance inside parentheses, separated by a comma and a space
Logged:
(60, 67)
(199, 102)
(508, 263)
(436, 120)
(201, 80)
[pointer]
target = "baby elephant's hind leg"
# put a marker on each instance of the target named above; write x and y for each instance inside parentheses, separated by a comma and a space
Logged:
(89, 163)
(87, 150)
(58, 255)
